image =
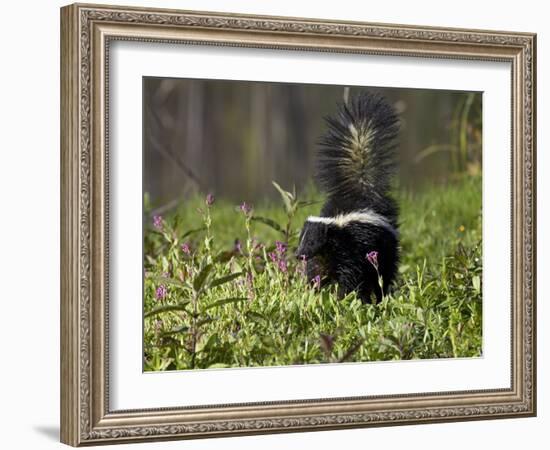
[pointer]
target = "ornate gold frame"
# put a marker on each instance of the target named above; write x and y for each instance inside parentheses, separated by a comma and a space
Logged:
(86, 31)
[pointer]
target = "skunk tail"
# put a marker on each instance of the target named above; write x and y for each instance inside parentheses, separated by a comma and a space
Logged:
(356, 159)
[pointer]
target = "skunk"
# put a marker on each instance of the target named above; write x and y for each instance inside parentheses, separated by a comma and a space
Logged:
(354, 242)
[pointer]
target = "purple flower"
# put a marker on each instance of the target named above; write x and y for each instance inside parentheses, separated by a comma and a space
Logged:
(245, 208)
(317, 281)
(210, 200)
(274, 257)
(372, 257)
(278, 256)
(161, 292)
(186, 248)
(281, 247)
(158, 222)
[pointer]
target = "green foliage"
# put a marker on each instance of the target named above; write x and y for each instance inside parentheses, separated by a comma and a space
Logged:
(212, 302)
(464, 147)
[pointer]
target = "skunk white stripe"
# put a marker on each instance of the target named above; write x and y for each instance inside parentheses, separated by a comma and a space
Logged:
(363, 216)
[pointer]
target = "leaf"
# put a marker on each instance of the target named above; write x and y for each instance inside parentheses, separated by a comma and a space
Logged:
(204, 344)
(199, 280)
(190, 232)
(286, 196)
(226, 279)
(476, 282)
(167, 308)
(403, 268)
(268, 222)
(225, 301)
(236, 266)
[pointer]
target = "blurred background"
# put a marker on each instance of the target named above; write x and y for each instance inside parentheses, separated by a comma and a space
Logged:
(232, 138)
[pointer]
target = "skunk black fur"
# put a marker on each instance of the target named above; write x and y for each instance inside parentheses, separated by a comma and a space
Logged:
(355, 165)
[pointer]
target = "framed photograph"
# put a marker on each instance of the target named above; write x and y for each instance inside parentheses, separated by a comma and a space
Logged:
(277, 225)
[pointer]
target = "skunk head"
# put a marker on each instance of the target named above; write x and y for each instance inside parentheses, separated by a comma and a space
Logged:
(313, 240)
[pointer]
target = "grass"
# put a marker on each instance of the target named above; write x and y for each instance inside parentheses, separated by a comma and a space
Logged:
(219, 292)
